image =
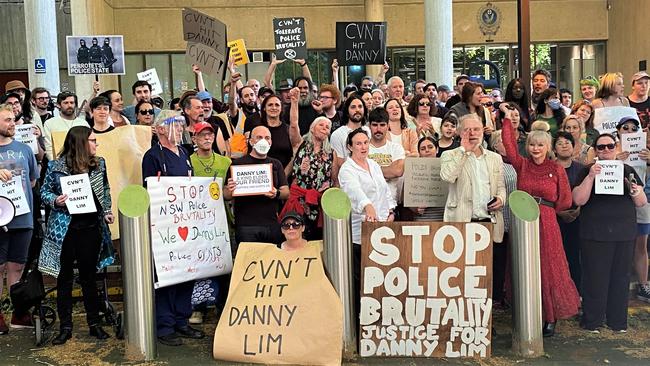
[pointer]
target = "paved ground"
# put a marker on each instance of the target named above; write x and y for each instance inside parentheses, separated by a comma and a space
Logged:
(571, 346)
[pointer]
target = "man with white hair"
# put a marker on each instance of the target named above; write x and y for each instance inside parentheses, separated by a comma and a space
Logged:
(396, 89)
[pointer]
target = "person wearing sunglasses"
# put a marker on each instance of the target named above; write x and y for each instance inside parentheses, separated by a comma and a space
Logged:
(423, 110)
(293, 227)
(547, 182)
(608, 231)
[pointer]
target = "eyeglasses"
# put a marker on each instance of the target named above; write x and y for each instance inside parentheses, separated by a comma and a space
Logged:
(291, 225)
(424, 104)
(144, 112)
(605, 146)
(628, 128)
(325, 97)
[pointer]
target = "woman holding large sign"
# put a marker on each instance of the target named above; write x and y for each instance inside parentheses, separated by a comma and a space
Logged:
(608, 231)
(83, 237)
(547, 182)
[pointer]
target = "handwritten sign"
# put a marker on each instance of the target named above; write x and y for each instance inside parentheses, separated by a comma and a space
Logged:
(151, 76)
(206, 42)
(290, 38)
(95, 54)
(80, 194)
(253, 179)
(610, 179)
(25, 134)
(426, 290)
(238, 52)
(423, 186)
(634, 143)
(189, 231)
(606, 119)
(281, 309)
(361, 43)
(13, 189)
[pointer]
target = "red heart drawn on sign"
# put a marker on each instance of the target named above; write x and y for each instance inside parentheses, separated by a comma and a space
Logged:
(182, 231)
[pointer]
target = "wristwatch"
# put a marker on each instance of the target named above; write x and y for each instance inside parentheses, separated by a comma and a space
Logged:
(277, 193)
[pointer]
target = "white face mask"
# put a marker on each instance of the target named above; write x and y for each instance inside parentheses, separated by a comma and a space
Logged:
(262, 147)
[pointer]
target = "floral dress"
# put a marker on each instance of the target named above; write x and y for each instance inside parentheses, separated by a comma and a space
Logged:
(312, 170)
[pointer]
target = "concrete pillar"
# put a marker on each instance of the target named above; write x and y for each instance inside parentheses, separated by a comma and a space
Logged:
(81, 17)
(374, 10)
(438, 42)
(40, 34)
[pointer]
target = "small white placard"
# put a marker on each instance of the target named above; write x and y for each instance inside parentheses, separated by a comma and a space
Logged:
(13, 189)
(610, 179)
(151, 76)
(634, 143)
(253, 179)
(25, 134)
(80, 195)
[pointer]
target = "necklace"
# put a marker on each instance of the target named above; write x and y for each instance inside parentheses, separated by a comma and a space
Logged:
(207, 168)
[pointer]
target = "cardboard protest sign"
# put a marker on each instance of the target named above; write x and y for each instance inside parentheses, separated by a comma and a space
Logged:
(25, 134)
(13, 189)
(281, 309)
(290, 38)
(361, 43)
(426, 290)
(95, 55)
(252, 179)
(122, 150)
(610, 180)
(80, 194)
(151, 76)
(634, 143)
(206, 42)
(606, 119)
(238, 52)
(423, 186)
(189, 229)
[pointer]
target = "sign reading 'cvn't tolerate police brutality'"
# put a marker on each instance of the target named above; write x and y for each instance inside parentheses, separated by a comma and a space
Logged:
(290, 39)
(361, 43)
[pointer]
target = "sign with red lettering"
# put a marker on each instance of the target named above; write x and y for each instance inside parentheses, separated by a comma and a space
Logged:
(189, 230)
(426, 290)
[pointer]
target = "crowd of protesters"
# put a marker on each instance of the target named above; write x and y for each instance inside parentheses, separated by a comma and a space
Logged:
(541, 141)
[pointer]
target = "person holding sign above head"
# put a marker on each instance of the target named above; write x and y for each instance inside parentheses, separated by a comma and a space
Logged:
(141, 91)
(608, 231)
(547, 182)
(83, 237)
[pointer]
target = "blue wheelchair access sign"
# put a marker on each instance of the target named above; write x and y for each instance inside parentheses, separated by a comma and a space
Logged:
(39, 66)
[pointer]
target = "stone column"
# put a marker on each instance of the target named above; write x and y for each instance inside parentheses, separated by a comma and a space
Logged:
(40, 34)
(438, 42)
(374, 10)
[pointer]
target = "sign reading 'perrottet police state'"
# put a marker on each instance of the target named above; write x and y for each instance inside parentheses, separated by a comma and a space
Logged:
(290, 42)
(361, 43)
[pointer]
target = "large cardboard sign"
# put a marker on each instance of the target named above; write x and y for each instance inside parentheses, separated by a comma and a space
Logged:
(290, 38)
(206, 42)
(95, 55)
(423, 186)
(281, 309)
(426, 290)
(189, 229)
(361, 43)
(606, 119)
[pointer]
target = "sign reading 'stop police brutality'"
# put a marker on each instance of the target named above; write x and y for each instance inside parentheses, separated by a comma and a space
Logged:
(361, 43)
(95, 55)
(290, 39)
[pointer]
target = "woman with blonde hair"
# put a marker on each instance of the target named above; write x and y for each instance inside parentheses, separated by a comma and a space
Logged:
(585, 111)
(581, 151)
(611, 92)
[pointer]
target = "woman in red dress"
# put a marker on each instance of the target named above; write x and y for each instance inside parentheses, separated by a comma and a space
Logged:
(547, 182)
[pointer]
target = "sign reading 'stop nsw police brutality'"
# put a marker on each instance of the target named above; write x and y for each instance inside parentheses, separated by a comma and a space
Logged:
(426, 289)
(361, 43)
(95, 55)
(290, 38)
(206, 42)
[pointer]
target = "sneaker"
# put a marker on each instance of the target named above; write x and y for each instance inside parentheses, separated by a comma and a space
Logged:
(20, 322)
(643, 292)
(4, 329)
(196, 318)
(171, 340)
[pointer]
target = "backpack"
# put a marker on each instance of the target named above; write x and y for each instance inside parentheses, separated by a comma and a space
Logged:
(237, 141)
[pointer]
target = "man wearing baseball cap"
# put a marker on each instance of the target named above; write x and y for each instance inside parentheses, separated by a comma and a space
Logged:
(639, 97)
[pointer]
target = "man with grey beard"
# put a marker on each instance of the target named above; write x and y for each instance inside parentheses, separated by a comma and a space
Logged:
(307, 105)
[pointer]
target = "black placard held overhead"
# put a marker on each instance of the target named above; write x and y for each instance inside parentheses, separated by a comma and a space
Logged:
(361, 43)
(290, 39)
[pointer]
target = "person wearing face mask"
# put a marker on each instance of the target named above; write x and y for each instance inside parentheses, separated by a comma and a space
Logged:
(256, 217)
(549, 109)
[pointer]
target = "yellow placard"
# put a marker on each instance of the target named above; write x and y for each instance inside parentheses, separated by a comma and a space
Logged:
(123, 149)
(281, 309)
(238, 52)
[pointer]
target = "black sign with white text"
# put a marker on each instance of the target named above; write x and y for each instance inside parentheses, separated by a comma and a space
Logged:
(290, 39)
(361, 43)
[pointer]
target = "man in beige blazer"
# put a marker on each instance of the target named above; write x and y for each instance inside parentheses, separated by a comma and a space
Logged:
(477, 190)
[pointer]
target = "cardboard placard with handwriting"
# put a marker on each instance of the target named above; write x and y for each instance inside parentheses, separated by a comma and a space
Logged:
(423, 186)
(426, 290)
(281, 309)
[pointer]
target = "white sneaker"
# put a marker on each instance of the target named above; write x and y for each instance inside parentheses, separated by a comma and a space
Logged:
(196, 318)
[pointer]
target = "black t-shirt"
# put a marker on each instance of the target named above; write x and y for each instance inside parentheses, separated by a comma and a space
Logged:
(306, 115)
(336, 120)
(281, 144)
(252, 120)
(454, 144)
(109, 129)
(608, 217)
(643, 110)
(259, 210)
